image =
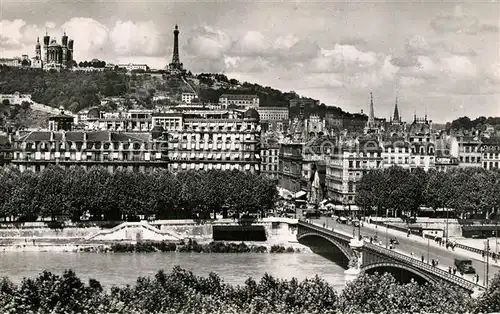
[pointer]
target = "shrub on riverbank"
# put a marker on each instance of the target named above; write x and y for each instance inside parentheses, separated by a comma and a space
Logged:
(180, 291)
(193, 246)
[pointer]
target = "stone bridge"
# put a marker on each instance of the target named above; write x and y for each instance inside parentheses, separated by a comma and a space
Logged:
(365, 257)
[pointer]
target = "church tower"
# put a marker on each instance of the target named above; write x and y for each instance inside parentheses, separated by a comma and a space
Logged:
(176, 65)
(38, 49)
(64, 48)
(46, 42)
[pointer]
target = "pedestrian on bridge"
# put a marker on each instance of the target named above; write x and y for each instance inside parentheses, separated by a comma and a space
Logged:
(371, 240)
(423, 259)
(454, 270)
(437, 261)
(449, 269)
(477, 278)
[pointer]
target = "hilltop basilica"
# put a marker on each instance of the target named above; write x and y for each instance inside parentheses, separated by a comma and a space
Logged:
(53, 56)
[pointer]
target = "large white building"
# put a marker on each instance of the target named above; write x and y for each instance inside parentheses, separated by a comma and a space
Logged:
(241, 100)
(207, 140)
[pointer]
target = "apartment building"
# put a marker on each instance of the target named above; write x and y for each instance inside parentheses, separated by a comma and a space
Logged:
(396, 151)
(270, 158)
(345, 167)
(490, 149)
(467, 149)
(112, 150)
(206, 140)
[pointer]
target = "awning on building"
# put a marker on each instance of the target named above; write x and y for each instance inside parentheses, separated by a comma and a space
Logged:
(300, 194)
(257, 167)
(209, 156)
(247, 156)
(218, 166)
(193, 155)
(257, 156)
(184, 156)
(247, 167)
(192, 166)
(219, 156)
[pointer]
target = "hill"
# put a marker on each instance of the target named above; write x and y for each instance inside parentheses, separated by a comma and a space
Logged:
(80, 90)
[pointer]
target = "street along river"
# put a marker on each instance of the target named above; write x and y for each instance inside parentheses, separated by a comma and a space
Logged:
(124, 268)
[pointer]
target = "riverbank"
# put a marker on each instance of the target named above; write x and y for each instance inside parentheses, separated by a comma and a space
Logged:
(151, 246)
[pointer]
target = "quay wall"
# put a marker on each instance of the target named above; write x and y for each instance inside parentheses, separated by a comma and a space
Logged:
(276, 228)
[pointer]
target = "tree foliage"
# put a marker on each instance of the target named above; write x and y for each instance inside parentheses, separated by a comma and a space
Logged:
(468, 191)
(70, 193)
(77, 90)
(383, 294)
(180, 291)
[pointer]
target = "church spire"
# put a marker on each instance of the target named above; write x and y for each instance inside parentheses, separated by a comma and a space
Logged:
(371, 117)
(396, 118)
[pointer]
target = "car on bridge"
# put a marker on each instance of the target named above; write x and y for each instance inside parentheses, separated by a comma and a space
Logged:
(312, 214)
(464, 266)
(393, 241)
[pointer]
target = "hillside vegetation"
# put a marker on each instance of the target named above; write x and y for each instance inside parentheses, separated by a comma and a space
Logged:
(80, 90)
(72, 90)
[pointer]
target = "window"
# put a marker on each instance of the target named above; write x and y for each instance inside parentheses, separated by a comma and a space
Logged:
(350, 164)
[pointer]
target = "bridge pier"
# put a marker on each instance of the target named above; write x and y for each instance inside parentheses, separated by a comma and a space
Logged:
(356, 259)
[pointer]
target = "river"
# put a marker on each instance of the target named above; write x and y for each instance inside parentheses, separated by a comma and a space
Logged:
(120, 269)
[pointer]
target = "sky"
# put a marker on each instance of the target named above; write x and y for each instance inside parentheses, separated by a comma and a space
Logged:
(437, 57)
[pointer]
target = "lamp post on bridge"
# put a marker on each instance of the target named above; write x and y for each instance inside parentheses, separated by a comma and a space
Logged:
(428, 249)
(386, 230)
(487, 266)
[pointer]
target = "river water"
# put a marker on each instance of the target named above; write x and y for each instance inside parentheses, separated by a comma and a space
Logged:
(120, 269)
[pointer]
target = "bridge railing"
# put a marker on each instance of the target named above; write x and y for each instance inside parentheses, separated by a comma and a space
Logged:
(432, 269)
(324, 230)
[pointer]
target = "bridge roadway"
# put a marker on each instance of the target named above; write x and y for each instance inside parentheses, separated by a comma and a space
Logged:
(418, 246)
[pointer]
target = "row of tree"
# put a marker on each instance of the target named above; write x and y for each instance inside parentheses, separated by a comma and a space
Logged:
(473, 191)
(75, 192)
(93, 63)
(180, 291)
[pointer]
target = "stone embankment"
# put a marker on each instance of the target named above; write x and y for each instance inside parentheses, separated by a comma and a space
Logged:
(38, 236)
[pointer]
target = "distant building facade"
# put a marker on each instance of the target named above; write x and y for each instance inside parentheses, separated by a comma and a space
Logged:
(133, 67)
(241, 100)
(188, 97)
(273, 113)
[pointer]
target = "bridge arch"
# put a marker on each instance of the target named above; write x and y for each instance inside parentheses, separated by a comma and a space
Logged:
(345, 250)
(412, 270)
